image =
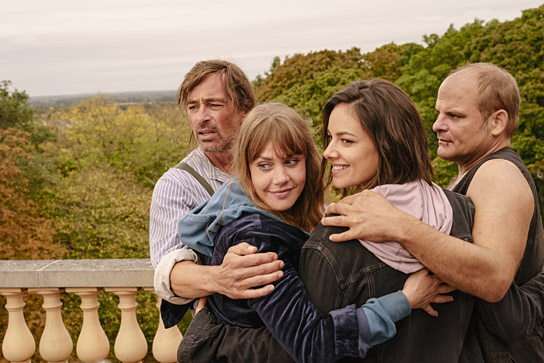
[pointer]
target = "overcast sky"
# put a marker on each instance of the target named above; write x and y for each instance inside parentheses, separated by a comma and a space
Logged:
(58, 47)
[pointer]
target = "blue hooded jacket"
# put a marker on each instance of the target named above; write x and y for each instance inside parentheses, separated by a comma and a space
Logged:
(198, 229)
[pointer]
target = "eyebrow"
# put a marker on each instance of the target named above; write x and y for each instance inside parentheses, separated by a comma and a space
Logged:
(286, 156)
(209, 99)
(342, 133)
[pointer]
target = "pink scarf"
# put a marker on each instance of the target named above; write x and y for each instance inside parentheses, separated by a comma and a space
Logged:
(423, 201)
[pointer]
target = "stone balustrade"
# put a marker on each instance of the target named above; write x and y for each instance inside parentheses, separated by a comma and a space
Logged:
(50, 279)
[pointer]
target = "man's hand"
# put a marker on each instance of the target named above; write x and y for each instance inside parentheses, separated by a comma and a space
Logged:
(421, 289)
(245, 274)
(368, 216)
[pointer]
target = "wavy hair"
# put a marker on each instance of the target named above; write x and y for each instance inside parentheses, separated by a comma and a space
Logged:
(392, 120)
(238, 87)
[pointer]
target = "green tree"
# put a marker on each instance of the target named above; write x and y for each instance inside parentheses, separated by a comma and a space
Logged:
(309, 97)
(14, 109)
(300, 68)
(142, 139)
(23, 231)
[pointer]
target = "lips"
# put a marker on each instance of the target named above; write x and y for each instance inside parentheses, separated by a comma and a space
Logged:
(335, 169)
(281, 194)
(206, 134)
(206, 131)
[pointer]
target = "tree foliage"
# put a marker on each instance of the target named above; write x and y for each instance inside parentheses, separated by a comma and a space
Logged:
(88, 185)
(14, 109)
(23, 231)
(301, 68)
(142, 139)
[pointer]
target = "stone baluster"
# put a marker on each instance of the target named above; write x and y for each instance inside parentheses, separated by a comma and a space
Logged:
(92, 344)
(55, 344)
(18, 344)
(130, 344)
(166, 341)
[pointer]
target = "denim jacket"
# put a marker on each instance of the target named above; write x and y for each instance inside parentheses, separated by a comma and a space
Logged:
(337, 274)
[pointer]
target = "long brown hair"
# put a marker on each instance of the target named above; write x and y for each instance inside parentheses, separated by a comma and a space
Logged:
(394, 123)
(290, 133)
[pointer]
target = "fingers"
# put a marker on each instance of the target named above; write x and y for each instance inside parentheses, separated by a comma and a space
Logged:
(257, 259)
(258, 275)
(341, 208)
(242, 249)
(332, 220)
(445, 288)
(350, 199)
(243, 276)
(438, 299)
(332, 209)
(441, 299)
(343, 237)
(255, 293)
(429, 310)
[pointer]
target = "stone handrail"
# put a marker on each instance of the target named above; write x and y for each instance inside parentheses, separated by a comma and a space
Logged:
(51, 278)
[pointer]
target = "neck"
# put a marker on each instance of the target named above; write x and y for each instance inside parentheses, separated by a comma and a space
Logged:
(467, 165)
(222, 160)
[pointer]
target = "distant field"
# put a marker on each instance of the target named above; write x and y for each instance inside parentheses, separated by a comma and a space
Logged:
(121, 97)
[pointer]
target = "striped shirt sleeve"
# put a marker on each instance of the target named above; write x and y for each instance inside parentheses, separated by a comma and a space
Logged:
(176, 193)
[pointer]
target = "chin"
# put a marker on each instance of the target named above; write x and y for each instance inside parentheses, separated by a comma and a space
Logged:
(339, 185)
(445, 155)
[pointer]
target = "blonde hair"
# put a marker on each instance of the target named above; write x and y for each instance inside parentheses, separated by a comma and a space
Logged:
(290, 134)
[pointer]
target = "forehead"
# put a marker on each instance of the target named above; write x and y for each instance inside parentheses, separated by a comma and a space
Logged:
(277, 149)
(210, 87)
(459, 90)
(343, 119)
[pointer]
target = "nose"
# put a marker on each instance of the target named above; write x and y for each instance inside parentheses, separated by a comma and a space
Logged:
(280, 175)
(200, 115)
(439, 124)
(330, 152)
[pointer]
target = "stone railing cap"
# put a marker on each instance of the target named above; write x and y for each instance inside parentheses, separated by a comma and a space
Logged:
(76, 273)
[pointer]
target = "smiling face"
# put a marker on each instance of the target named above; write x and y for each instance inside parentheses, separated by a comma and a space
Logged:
(278, 179)
(351, 151)
(212, 115)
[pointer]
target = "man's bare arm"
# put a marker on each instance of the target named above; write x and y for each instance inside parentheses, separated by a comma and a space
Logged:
(243, 274)
(486, 268)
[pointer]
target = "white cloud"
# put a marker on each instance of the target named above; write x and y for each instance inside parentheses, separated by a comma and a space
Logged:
(61, 46)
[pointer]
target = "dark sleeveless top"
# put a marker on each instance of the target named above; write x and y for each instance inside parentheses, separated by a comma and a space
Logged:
(519, 304)
(533, 258)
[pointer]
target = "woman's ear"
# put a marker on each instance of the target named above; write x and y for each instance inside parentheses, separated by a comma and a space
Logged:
(499, 122)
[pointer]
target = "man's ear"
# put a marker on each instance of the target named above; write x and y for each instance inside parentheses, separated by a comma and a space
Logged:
(499, 122)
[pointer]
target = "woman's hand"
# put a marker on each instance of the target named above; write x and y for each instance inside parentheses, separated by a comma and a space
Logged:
(421, 289)
(201, 304)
